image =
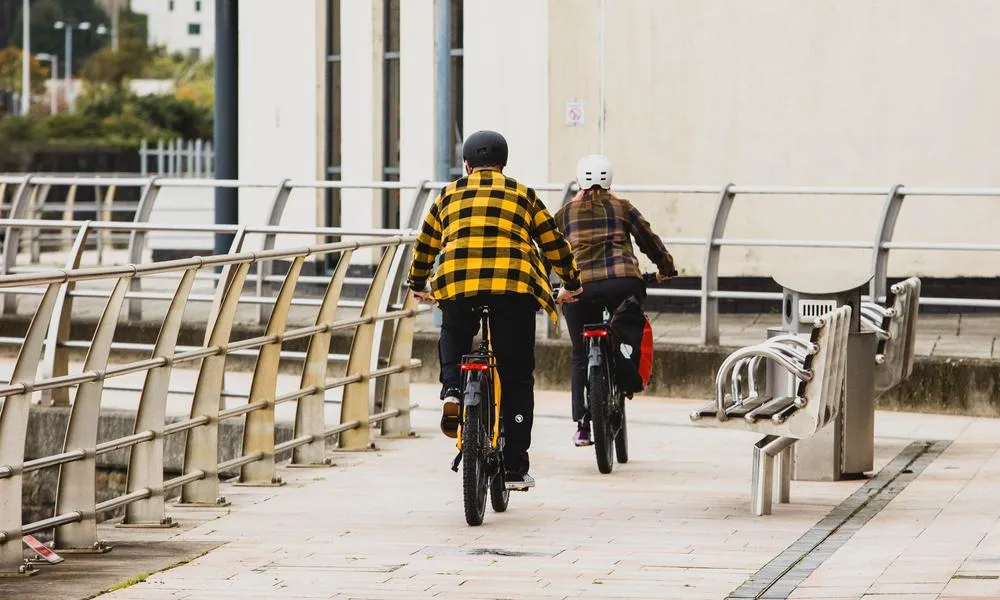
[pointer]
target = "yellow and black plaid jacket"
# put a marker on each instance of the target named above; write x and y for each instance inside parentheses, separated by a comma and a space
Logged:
(486, 227)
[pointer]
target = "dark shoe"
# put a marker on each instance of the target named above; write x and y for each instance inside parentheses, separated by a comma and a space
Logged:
(582, 435)
(451, 413)
(519, 482)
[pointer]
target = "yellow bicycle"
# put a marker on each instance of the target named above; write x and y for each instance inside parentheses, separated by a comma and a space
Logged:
(480, 438)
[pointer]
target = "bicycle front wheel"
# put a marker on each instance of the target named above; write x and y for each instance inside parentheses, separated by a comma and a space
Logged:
(598, 400)
(475, 440)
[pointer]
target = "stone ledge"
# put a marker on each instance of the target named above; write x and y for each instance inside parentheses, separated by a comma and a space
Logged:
(965, 386)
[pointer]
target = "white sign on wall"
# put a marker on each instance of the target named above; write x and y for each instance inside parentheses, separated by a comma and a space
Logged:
(574, 113)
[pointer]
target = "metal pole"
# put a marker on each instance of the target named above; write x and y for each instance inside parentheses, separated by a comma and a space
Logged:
(226, 116)
(442, 74)
(70, 97)
(54, 78)
(115, 13)
(26, 59)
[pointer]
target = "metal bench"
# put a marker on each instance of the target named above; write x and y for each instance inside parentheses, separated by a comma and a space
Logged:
(895, 325)
(819, 367)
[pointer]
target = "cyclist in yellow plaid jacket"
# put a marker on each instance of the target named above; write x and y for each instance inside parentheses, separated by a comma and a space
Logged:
(486, 227)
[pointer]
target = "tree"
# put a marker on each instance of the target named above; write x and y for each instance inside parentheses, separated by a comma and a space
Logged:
(114, 68)
(11, 69)
(45, 38)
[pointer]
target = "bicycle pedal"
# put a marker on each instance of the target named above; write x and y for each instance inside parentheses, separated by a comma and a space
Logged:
(455, 462)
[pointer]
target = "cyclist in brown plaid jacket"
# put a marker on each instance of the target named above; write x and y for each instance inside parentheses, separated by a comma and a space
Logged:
(486, 227)
(600, 225)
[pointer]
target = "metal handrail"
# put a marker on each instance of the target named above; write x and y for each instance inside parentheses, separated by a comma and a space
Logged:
(709, 295)
(45, 340)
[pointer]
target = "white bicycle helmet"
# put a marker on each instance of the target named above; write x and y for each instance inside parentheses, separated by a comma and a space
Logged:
(592, 170)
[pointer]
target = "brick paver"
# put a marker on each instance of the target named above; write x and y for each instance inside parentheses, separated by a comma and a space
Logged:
(673, 523)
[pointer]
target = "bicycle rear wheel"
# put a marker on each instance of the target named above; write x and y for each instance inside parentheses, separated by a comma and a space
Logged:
(598, 401)
(621, 439)
(475, 441)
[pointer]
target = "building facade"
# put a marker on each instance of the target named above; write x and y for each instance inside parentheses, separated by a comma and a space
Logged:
(774, 92)
(185, 26)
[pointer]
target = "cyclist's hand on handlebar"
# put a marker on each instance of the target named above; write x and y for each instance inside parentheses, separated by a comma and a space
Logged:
(662, 277)
(566, 296)
(423, 295)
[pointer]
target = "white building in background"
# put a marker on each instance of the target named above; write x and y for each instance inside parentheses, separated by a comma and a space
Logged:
(774, 92)
(186, 26)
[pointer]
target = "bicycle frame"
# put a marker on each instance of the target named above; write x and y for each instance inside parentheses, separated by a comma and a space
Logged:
(599, 350)
(483, 361)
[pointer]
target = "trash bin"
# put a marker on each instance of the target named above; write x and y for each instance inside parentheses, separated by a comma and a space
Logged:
(844, 449)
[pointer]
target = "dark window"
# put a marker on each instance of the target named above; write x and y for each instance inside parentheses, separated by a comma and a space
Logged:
(170, 5)
(333, 121)
(457, 71)
(197, 5)
(390, 113)
(194, 28)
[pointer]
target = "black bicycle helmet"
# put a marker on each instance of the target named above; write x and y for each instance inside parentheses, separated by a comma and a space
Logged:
(485, 149)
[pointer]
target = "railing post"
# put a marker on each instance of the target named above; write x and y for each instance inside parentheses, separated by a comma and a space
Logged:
(710, 271)
(357, 397)
(880, 256)
(12, 239)
(77, 480)
(396, 392)
(143, 157)
(38, 197)
(258, 432)
(201, 452)
(137, 241)
(265, 268)
(309, 414)
(145, 466)
(14, 432)
(56, 358)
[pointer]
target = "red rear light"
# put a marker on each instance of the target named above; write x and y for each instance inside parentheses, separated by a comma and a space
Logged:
(475, 367)
(590, 333)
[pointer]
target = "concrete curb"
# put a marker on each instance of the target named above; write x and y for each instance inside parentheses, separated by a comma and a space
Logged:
(962, 386)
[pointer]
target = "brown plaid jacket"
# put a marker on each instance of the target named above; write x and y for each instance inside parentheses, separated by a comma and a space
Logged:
(599, 225)
(486, 226)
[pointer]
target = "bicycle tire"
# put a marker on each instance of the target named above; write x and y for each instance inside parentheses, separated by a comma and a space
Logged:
(597, 400)
(475, 479)
(499, 494)
(621, 439)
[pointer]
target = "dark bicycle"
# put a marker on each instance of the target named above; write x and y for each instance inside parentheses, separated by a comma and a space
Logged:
(604, 399)
(480, 435)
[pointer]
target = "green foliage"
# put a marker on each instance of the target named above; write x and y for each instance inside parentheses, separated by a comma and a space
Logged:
(11, 69)
(112, 67)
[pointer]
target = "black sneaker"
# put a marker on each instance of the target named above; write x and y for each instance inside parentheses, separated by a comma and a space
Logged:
(519, 482)
(451, 413)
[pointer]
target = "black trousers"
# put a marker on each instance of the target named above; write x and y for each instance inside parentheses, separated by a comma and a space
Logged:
(588, 310)
(512, 324)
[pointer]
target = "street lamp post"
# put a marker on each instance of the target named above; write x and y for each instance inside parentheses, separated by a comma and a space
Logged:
(26, 59)
(54, 84)
(68, 28)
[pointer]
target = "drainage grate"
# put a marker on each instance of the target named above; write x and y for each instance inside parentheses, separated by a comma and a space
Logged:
(779, 578)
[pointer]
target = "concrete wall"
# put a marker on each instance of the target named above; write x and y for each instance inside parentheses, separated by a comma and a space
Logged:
(775, 92)
(787, 92)
(281, 90)
(506, 80)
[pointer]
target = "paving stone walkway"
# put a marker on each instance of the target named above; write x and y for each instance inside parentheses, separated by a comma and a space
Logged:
(672, 523)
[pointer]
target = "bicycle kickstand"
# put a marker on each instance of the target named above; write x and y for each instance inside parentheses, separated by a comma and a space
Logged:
(455, 463)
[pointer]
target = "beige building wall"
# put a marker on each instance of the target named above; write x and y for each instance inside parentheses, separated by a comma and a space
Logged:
(785, 92)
